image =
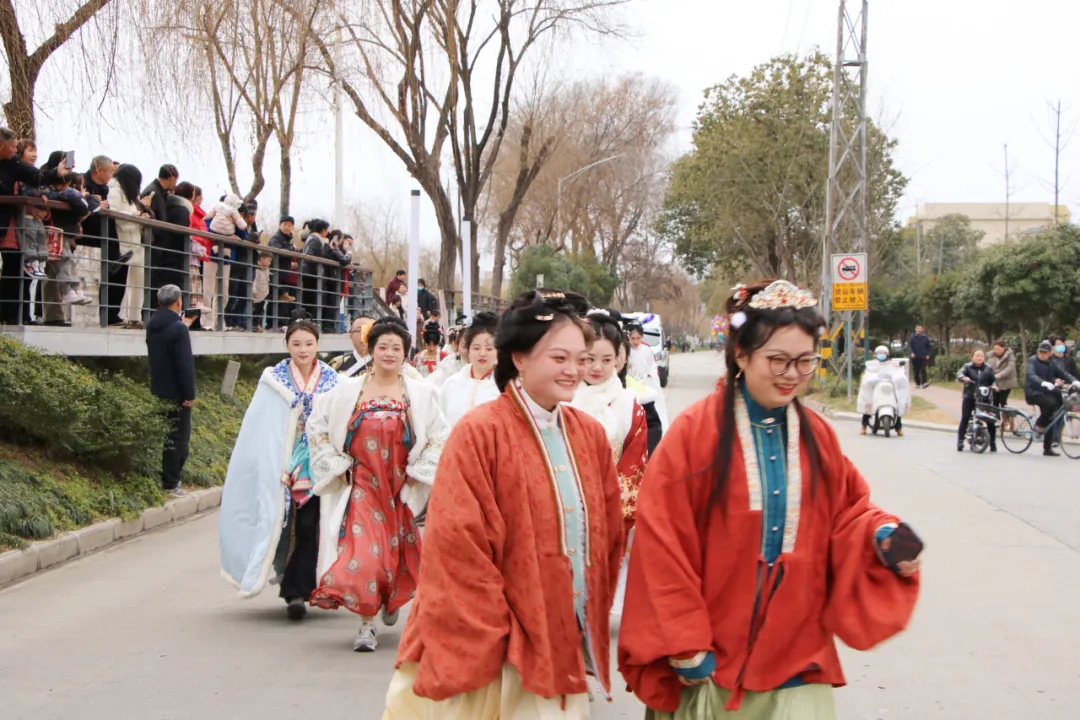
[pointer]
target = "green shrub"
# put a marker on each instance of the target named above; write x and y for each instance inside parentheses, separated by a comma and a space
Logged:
(106, 421)
(946, 367)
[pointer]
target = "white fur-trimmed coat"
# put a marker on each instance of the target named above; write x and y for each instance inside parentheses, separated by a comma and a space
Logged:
(461, 393)
(327, 429)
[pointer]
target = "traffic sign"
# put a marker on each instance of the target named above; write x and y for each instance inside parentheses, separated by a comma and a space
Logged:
(849, 286)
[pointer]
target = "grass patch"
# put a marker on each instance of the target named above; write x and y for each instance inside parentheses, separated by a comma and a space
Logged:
(81, 439)
(922, 410)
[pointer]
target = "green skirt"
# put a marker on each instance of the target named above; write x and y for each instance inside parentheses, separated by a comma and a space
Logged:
(707, 701)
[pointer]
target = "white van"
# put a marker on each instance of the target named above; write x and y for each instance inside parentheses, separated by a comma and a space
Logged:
(653, 327)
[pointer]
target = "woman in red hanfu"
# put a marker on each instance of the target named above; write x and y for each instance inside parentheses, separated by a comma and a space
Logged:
(756, 540)
(375, 443)
(523, 542)
(604, 397)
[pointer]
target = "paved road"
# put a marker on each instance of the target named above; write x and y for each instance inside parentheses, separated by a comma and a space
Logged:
(147, 630)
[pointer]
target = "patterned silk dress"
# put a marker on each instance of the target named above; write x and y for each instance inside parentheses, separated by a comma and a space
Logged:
(378, 559)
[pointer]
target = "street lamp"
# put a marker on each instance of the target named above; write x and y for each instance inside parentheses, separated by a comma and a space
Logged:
(571, 176)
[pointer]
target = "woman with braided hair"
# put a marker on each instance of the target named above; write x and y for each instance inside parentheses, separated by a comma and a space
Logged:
(756, 543)
(523, 541)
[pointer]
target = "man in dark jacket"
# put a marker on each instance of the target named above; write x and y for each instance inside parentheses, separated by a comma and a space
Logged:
(283, 292)
(425, 299)
(172, 378)
(171, 259)
(161, 188)
(919, 347)
(1041, 382)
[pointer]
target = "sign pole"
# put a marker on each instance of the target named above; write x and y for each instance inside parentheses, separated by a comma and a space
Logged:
(848, 349)
(412, 298)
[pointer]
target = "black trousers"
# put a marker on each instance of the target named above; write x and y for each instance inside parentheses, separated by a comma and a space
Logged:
(116, 284)
(311, 296)
(239, 294)
(965, 419)
(300, 543)
(14, 286)
(918, 369)
(1048, 405)
(176, 446)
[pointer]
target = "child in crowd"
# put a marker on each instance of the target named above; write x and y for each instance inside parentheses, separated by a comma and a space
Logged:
(70, 189)
(33, 241)
(261, 290)
(224, 218)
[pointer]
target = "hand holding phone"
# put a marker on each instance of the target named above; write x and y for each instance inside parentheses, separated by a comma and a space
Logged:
(69, 159)
(900, 551)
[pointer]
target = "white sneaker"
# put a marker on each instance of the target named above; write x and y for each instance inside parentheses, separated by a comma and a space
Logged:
(366, 640)
(73, 298)
(388, 619)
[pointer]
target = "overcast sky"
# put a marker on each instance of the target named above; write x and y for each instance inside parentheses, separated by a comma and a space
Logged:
(954, 81)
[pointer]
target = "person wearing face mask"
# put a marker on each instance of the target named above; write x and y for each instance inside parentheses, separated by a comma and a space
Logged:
(603, 396)
(756, 543)
(883, 368)
(523, 542)
(375, 444)
(474, 384)
(1061, 358)
(1042, 380)
(270, 521)
(974, 375)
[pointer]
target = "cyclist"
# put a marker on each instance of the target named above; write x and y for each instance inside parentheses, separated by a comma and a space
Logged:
(1043, 378)
(974, 375)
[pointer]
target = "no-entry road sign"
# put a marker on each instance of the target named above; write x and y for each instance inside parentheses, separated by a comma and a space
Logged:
(849, 287)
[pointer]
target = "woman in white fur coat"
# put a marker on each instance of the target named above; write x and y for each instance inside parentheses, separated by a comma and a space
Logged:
(269, 524)
(617, 409)
(457, 358)
(474, 384)
(375, 444)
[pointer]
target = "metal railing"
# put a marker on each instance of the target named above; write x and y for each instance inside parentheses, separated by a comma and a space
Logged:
(455, 302)
(138, 255)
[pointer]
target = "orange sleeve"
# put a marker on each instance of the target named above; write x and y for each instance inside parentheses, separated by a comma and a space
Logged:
(665, 614)
(631, 466)
(868, 602)
(461, 618)
(614, 511)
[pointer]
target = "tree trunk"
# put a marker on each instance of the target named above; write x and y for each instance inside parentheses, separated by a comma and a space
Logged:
(286, 182)
(502, 236)
(258, 182)
(19, 110)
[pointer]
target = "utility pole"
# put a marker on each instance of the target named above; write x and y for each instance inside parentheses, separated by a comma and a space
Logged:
(846, 207)
(1057, 158)
(1007, 192)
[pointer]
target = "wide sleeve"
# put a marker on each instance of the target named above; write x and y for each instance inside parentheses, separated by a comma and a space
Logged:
(422, 465)
(459, 629)
(665, 614)
(868, 603)
(631, 467)
(328, 462)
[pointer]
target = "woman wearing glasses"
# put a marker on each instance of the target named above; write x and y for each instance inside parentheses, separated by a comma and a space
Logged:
(756, 540)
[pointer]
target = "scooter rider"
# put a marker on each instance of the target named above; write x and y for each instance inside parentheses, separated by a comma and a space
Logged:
(884, 368)
(974, 375)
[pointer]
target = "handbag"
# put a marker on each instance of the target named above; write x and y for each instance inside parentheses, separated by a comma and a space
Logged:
(54, 237)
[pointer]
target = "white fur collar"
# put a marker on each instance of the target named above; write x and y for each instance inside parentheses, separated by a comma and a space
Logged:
(600, 402)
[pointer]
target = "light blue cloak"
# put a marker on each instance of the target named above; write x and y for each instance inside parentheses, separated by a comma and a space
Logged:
(253, 499)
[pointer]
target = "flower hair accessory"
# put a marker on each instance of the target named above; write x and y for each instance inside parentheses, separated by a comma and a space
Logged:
(782, 294)
(598, 311)
(738, 320)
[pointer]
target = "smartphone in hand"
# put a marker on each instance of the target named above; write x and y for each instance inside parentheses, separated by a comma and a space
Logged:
(69, 159)
(904, 546)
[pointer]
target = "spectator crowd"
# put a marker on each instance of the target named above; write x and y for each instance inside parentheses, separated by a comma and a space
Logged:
(240, 285)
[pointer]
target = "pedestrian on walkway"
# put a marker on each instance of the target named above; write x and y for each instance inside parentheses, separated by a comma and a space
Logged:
(172, 378)
(271, 524)
(1003, 362)
(524, 541)
(375, 443)
(1042, 380)
(974, 375)
(756, 541)
(919, 347)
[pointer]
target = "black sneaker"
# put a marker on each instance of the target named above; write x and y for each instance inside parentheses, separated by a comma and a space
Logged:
(1051, 453)
(296, 609)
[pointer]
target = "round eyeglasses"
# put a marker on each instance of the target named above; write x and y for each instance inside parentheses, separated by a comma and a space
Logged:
(804, 364)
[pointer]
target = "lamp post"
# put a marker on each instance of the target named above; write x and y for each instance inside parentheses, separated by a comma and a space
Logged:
(571, 176)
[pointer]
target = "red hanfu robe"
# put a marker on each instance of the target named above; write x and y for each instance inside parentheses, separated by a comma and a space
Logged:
(631, 465)
(495, 582)
(694, 572)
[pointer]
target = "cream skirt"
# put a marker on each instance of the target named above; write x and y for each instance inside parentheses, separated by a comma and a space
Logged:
(503, 699)
(704, 702)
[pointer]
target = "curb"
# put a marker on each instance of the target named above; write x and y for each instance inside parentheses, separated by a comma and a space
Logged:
(914, 424)
(38, 556)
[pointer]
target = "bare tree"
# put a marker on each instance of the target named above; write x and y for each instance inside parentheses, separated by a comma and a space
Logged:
(24, 66)
(250, 59)
(442, 74)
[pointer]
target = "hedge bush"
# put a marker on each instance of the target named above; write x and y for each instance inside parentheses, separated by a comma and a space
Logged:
(106, 421)
(946, 367)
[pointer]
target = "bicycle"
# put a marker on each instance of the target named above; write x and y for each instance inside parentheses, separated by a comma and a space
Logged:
(1024, 432)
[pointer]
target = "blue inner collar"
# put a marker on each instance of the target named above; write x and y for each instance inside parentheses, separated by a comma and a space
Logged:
(758, 414)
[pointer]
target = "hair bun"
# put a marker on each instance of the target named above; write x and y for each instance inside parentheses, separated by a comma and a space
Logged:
(299, 314)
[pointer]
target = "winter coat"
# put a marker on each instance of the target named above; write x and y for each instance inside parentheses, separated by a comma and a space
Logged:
(1066, 363)
(1037, 372)
(198, 222)
(129, 233)
(314, 247)
(225, 218)
(172, 366)
(1005, 369)
(919, 345)
(980, 376)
